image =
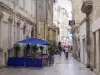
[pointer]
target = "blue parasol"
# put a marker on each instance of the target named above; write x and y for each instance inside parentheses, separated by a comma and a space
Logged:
(34, 41)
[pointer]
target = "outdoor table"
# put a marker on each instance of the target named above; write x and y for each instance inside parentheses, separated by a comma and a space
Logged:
(45, 59)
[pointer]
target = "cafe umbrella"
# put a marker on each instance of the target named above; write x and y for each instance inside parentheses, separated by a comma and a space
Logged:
(34, 41)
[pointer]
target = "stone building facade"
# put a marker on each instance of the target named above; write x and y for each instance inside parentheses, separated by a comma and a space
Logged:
(44, 18)
(20, 19)
(89, 32)
(61, 21)
(53, 33)
(78, 16)
(17, 21)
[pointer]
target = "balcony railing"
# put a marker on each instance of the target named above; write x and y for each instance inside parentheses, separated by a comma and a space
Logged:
(87, 6)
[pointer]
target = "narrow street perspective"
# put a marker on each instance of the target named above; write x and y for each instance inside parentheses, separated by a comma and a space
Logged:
(60, 67)
(49, 37)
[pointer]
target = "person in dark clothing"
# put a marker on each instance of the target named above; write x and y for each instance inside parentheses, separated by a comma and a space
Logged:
(60, 49)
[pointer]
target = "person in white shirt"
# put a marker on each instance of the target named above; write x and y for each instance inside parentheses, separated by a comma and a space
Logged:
(66, 52)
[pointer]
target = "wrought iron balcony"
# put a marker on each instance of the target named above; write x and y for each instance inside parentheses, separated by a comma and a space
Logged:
(87, 6)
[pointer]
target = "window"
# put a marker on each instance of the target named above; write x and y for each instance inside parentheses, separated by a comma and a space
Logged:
(18, 30)
(9, 34)
(32, 32)
(28, 6)
(33, 9)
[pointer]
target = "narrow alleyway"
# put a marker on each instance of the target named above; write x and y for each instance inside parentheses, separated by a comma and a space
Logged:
(61, 67)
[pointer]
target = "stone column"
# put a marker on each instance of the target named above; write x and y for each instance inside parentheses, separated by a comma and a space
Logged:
(88, 40)
(92, 52)
(97, 52)
(87, 9)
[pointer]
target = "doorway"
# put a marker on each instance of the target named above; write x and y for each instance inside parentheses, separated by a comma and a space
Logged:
(84, 52)
(94, 50)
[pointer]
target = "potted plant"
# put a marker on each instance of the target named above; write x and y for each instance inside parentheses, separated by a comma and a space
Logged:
(41, 48)
(51, 53)
(34, 49)
(51, 49)
(17, 48)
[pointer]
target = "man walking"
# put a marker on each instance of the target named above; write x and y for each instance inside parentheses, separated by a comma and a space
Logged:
(66, 52)
(60, 49)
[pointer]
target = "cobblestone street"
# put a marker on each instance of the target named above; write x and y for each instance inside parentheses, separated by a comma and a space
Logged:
(62, 66)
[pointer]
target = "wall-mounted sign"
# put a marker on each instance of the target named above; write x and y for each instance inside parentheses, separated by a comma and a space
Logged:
(69, 33)
(71, 22)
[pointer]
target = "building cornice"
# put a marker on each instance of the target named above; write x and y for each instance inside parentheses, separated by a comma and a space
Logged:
(19, 16)
(9, 10)
(6, 8)
(87, 6)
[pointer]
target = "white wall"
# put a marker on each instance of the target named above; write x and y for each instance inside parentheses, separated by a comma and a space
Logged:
(83, 53)
(96, 25)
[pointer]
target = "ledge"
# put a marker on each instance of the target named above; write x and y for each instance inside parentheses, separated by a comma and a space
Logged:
(87, 6)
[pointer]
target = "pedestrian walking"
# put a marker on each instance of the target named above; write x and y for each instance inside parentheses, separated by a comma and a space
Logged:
(60, 50)
(66, 51)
